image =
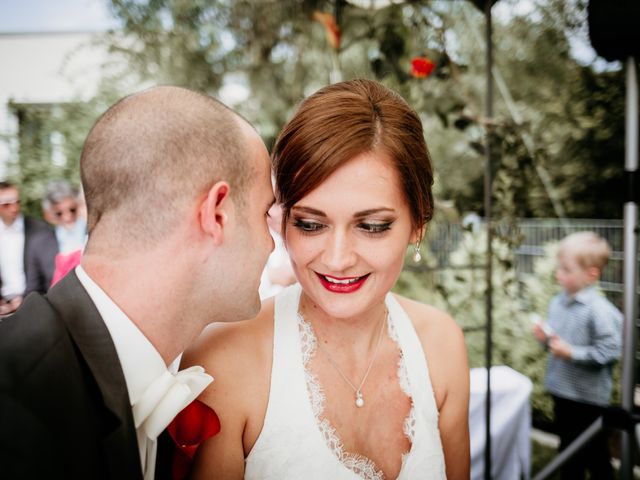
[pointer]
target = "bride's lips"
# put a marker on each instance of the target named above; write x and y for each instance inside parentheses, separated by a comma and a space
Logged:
(342, 284)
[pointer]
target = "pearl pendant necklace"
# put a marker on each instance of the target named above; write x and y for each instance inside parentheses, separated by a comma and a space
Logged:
(359, 402)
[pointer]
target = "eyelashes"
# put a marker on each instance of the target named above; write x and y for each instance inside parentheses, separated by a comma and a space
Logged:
(373, 229)
(306, 226)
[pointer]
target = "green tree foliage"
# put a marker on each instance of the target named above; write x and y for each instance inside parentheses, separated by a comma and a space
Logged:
(172, 41)
(50, 142)
(557, 111)
(562, 119)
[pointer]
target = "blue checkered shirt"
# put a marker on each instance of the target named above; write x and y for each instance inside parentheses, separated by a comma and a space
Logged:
(593, 328)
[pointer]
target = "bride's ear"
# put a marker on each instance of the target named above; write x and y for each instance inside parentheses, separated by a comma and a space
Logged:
(418, 235)
(214, 211)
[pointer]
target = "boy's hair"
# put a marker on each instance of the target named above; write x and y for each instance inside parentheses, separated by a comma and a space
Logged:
(588, 248)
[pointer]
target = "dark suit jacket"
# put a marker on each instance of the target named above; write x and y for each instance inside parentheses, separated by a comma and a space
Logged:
(64, 407)
(40, 249)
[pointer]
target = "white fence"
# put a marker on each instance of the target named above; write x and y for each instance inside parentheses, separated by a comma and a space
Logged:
(444, 239)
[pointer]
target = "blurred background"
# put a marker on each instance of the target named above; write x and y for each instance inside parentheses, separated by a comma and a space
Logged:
(557, 132)
(558, 118)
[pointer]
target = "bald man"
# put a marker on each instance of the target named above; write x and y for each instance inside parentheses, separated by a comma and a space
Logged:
(177, 189)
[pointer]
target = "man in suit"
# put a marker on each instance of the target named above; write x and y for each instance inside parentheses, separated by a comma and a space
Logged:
(177, 189)
(27, 251)
(61, 206)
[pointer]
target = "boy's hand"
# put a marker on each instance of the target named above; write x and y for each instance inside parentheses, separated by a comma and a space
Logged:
(539, 333)
(559, 348)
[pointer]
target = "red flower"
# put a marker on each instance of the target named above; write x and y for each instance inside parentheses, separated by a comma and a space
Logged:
(421, 67)
(193, 425)
(332, 29)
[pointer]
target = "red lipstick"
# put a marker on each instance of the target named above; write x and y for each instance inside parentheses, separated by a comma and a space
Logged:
(342, 285)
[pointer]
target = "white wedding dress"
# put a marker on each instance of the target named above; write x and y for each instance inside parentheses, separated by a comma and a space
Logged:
(296, 443)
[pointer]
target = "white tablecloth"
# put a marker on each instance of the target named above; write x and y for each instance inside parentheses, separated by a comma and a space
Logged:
(510, 423)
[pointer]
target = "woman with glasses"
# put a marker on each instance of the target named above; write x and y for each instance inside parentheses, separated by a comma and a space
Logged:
(61, 206)
(64, 207)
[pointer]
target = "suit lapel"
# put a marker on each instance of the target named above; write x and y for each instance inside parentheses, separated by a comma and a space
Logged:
(164, 457)
(73, 304)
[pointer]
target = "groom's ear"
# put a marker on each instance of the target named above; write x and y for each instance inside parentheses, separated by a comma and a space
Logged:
(214, 211)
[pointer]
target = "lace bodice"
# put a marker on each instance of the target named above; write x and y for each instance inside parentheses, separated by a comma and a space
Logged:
(359, 464)
(296, 441)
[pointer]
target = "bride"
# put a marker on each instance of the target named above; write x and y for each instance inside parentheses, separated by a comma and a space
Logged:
(337, 378)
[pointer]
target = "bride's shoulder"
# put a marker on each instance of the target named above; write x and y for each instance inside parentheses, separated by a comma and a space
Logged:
(427, 318)
(443, 343)
(437, 330)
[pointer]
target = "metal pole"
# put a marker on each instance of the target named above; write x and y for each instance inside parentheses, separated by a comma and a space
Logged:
(630, 266)
(542, 172)
(335, 75)
(574, 447)
(487, 212)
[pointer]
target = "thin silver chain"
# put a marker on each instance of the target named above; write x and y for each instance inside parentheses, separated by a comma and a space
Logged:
(375, 354)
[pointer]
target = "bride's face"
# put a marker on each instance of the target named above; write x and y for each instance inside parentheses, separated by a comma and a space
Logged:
(347, 238)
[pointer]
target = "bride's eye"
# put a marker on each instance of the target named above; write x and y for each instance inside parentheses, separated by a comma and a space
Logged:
(374, 228)
(307, 226)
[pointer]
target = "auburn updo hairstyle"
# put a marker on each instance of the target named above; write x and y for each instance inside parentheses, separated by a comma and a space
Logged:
(340, 122)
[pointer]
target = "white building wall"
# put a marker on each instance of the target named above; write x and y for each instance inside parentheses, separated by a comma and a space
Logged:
(44, 68)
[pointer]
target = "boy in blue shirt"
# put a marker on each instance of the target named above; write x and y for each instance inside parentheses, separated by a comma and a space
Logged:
(583, 338)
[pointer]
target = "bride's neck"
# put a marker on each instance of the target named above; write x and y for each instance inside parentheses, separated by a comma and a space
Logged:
(358, 332)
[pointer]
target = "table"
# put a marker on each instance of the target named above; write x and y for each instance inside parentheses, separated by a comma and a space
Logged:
(510, 423)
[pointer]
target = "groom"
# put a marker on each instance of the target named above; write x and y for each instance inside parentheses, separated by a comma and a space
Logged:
(177, 187)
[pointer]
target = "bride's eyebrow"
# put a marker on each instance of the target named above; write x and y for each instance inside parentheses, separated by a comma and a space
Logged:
(372, 211)
(357, 215)
(309, 210)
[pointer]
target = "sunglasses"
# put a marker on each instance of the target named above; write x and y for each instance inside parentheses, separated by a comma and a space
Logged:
(6, 203)
(60, 213)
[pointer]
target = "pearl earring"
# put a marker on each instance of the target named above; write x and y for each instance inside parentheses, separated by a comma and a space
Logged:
(416, 252)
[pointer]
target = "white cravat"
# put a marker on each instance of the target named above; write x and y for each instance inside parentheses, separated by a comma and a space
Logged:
(163, 399)
(156, 394)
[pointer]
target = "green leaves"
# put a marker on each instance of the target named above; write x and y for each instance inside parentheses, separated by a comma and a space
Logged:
(558, 117)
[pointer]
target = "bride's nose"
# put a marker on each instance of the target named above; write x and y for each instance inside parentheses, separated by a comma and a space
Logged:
(339, 253)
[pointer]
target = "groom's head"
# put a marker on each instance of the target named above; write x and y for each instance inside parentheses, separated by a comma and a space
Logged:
(152, 152)
(175, 166)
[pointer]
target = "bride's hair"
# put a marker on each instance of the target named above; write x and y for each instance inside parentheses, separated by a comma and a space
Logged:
(340, 122)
